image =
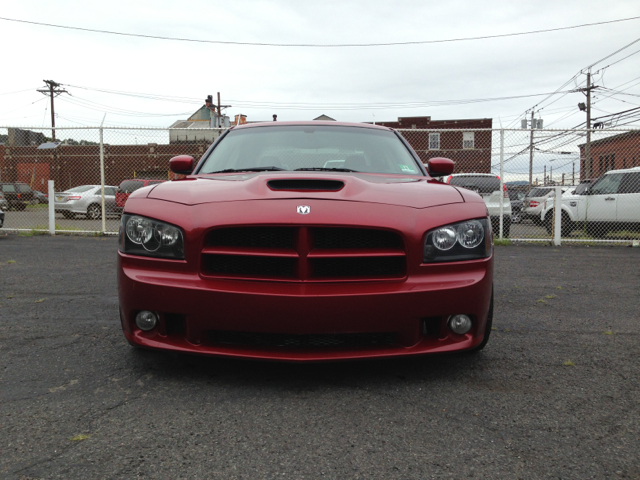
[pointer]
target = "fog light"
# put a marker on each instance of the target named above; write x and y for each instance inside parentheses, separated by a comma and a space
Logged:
(146, 320)
(460, 324)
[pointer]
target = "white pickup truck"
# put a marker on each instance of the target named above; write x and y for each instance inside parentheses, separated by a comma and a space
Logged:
(612, 203)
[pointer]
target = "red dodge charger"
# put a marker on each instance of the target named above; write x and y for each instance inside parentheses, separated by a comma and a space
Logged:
(306, 241)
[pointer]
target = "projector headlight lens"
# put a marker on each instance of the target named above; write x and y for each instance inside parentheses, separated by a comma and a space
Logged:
(470, 234)
(444, 238)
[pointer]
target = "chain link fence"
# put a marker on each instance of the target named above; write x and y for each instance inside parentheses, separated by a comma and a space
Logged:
(538, 185)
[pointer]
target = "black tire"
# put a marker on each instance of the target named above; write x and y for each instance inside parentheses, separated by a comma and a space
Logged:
(566, 224)
(506, 227)
(597, 230)
(487, 328)
(94, 212)
(548, 222)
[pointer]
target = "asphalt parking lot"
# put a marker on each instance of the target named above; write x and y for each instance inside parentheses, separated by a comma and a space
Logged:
(556, 393)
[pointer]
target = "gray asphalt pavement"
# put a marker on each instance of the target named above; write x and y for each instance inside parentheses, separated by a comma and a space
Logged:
(556, 393)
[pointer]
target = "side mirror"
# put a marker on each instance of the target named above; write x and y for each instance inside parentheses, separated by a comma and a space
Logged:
(182, 164)
(439, 166)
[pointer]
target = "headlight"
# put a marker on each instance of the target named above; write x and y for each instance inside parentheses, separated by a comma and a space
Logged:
(151, 238)
(467, 240)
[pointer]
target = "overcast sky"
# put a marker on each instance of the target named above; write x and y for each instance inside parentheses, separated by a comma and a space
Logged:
(373, 78)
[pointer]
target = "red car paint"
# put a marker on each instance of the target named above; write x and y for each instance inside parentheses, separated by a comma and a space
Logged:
(308, 315)
(129, 186)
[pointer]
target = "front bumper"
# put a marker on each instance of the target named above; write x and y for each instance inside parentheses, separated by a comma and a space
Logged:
(304, 319)
(414, 312)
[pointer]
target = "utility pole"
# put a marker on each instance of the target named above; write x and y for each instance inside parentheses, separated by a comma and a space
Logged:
(531, 152)
(587, 147)
(53, 90)
(588, 164)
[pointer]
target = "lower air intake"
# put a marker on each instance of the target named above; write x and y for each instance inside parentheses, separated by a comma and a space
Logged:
(312, 341)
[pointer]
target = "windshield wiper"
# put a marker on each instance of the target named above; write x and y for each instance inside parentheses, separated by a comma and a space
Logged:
(324, 169)
(249, 169)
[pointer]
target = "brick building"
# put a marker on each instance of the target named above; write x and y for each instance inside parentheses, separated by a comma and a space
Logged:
(611, 153)
(467, 142)
(72, 165)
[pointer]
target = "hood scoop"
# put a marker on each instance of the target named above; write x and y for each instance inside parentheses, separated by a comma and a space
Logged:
(305, 185)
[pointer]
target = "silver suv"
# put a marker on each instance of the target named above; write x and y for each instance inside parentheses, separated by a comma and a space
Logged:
(487, 185)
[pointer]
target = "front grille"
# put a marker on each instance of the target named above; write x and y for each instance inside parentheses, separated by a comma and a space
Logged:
(264, 237)
(355, 238)
(253, 266)
(303, 253)
(357, 267)
(310, 341)
(297, 184)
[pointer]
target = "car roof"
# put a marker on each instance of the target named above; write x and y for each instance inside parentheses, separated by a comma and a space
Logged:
(310, 123)
(623, 170)
(473, 175)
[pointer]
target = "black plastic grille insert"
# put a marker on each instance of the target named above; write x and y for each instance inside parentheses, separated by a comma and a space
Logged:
(311, 341)
(304, 184)
(355, 238)
(255, 237)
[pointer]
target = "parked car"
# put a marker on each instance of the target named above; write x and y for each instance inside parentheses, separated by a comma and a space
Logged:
(249, 256)
(18, 195)
(534, 202)
(487, 185)
(1, 218)
(517, 202)
(127, 187)
(40, 197)
(583, 186)
(86, 200)
(611, 203)
(4, 205)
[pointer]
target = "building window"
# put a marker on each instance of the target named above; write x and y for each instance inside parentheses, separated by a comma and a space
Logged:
(468, 140)
(434, 141)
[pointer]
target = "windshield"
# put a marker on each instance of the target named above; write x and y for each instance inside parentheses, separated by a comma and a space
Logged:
(22, 188)
(307, 147)
(130, 186)
(582, 188)
(539, 192)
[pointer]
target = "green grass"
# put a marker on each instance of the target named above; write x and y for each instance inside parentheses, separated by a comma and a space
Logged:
(504, 241)
(37, 206)
(44, 230)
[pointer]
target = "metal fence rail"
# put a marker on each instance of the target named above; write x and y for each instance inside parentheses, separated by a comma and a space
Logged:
(539, 185)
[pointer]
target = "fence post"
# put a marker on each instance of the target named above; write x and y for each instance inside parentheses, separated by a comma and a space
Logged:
(557, 216)
(104, 225)
(501, 182)
(52, 208)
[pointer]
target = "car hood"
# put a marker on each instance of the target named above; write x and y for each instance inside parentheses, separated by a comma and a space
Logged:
(415, 192)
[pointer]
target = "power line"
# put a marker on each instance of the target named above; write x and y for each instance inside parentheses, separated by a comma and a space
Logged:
(319, 45)
(19, 91)
(316, 105)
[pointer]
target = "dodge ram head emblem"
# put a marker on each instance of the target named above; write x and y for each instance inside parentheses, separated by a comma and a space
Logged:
(304, 209)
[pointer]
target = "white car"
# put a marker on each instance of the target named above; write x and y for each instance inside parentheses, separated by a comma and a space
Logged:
(487, 185)
(86, 200)
(611, 203)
